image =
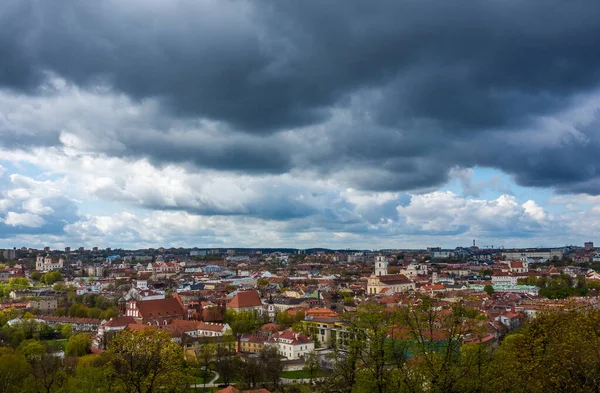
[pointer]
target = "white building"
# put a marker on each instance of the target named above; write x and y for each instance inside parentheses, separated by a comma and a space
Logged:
(292, 345)
(505, 279)
(543, 255)
(46, 264)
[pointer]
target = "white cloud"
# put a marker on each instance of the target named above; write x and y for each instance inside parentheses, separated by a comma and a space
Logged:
(24, 219)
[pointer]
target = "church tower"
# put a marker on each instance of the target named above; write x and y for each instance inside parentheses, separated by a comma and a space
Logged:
(381, 265)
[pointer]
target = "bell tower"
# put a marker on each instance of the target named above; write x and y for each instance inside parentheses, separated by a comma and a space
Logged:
(381, 265)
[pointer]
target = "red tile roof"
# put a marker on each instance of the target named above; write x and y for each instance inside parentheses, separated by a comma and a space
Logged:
(394, 279)
(119, 321)
(244, 299)
(169, 307)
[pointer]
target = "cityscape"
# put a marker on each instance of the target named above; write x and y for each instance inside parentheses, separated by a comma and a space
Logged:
(296, 196)
(298, 306)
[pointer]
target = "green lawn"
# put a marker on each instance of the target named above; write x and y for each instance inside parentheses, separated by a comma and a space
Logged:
(199, 380)
(57, 345)
(300, 374)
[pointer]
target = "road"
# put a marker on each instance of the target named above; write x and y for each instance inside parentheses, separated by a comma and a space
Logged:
(213, 383)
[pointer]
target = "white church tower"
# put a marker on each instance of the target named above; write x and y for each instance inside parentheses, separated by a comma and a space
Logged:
(381, 265)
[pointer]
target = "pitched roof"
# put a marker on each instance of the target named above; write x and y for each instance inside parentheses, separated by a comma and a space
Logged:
(120, 321)
(295, 338)
(245, 299)
(394, 279)
(229, 389)
(168, 307)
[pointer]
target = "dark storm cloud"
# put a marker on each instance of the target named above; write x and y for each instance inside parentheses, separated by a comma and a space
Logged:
(429, 83)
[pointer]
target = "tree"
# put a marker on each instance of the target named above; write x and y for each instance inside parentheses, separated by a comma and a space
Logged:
(91, 375)
(555, 352)
(251, 372)
(146, 361)
(272, 364)
(47, 373)
(78, 345)
(13, 370)
(489, 289)
(35, 276)
(226, 362)
(242, 321)
(312, 364)
(51, 277)
(66, 330)
(204, 356)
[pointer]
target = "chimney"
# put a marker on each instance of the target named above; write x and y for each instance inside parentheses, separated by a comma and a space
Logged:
(512, 308)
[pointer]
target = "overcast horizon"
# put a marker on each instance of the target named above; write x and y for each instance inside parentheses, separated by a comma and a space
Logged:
(363, 125)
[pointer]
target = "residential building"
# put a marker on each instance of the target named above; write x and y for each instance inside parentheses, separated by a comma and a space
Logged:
(292, 345)
(44, 306)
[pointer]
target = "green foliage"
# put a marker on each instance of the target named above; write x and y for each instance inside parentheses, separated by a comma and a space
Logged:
(285, 320)
(51, 277)
(489, 289)
(146, 361)
(78, 345)
(66, 330)
(243, 321)
(81, 311)
(559, 287)
(13, 370)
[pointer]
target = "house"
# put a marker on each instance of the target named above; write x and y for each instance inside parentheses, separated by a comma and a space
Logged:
(109, 327)
(292, 345)
(246, 301)
(44, 306)
(251, 343)
(202, 329)
(510, 319)
(155, 312)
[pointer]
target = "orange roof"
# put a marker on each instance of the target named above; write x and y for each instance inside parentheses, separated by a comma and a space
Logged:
(244, 299)
(321, 312)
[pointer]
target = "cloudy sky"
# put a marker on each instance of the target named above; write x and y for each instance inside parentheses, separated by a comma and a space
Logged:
(223, 123)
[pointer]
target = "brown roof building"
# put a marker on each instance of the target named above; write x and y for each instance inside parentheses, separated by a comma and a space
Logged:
(246, 301)
(155, 312)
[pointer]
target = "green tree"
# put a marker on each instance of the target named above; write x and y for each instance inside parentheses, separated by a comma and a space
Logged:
(251, 372)
(489, 289)
(13, 370)
(78, 345)
(66, 330)
(312, 364)
(226, 361)
(47, 372)
(51, 277)
(147, 361)
(272, 364)
(204, 357)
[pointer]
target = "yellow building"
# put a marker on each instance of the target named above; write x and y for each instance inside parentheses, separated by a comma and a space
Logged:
(252, 343)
